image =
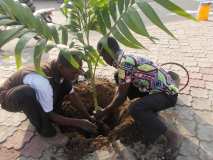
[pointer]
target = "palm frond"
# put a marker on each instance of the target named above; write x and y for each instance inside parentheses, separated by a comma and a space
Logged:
(122, 17)
(19, 22)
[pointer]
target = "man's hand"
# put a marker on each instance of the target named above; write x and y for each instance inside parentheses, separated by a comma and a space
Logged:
(73, 122)
(120, 97)
(87, 126)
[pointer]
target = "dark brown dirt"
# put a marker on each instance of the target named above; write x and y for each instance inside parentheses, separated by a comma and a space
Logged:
(105, 92)
(120, 123)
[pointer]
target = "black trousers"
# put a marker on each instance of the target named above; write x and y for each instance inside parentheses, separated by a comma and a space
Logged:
(145, 108)
(23, 98)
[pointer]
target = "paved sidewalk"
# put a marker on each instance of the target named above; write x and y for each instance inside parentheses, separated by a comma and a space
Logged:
(194, 111)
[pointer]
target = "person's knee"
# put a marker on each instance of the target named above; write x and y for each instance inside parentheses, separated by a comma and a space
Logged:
(27, 91)
(172, 101)
(22, 91)
(16, 97)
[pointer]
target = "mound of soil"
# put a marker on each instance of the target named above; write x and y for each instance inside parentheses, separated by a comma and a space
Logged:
(105, 92)
(120, 123)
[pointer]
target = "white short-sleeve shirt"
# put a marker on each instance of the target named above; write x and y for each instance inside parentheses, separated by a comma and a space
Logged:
(43, 89)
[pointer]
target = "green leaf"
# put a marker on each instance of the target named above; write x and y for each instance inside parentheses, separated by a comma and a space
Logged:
(79, 4)
(132, 2)
(91, 58)
(7, 35)
(98, 3)
(54, 33)
(121, 38)
(106, 47)
(135, 23)
(5, 8)
(74, 24)
(121, 6)
(38, 51)
(93, 25)
(80, 37)
(64, 37)
(63, 9)
(72, 44)
(25, 16)
(106, 17)
(125, 31)
(22, 14)
(127, 2)
(21, 33)
(4, 22)
(21, 45)
(46, 31)
(174, 8)
(101, 22)
(153, 17)
(101, 61)
(94, 55)
(66, 7)
(68, 55)
(3, 17)
(113, 10)
(48, 47)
